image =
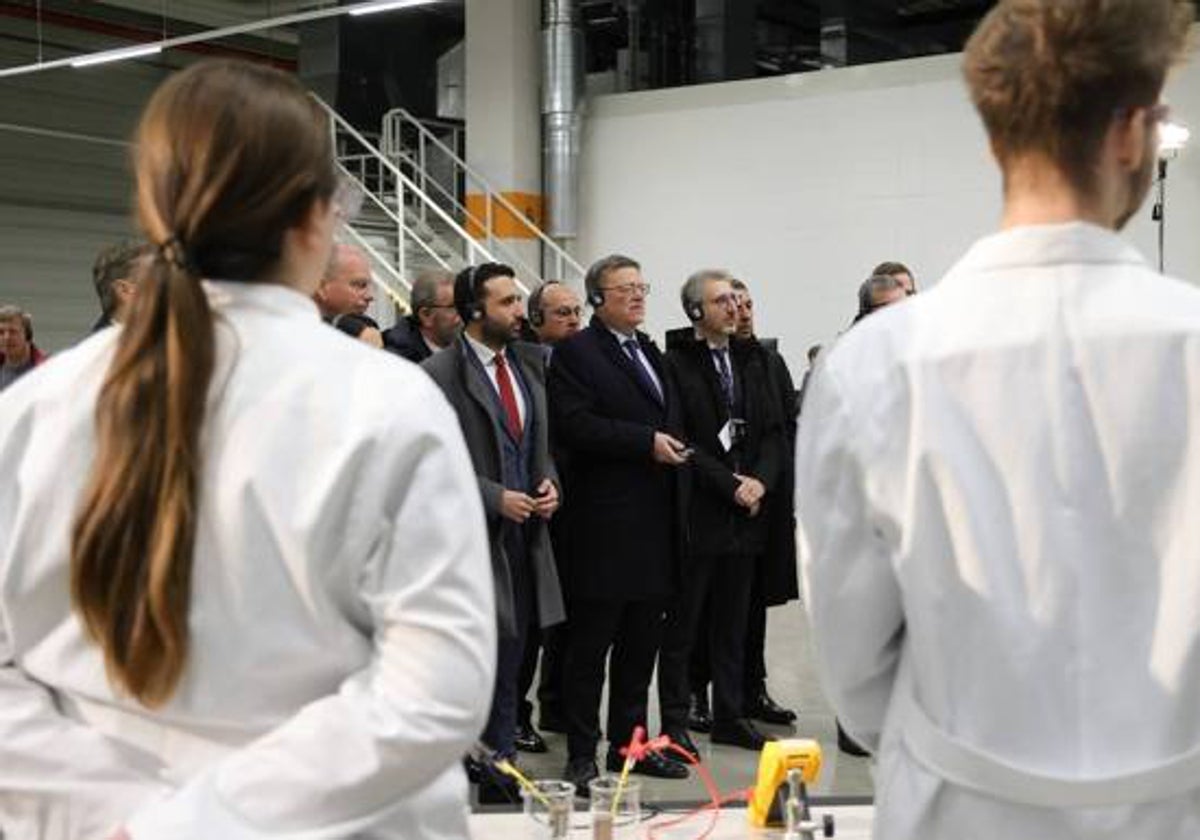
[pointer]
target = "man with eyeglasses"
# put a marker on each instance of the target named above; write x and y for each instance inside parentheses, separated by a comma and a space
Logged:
(554, 315)
(555, 312)
(432, 322)
(735, 423)
(346, 287)
(617, 417)
(774, 571)
(1001, 569)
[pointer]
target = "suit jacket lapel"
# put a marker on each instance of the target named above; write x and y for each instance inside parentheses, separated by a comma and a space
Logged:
(480, 391)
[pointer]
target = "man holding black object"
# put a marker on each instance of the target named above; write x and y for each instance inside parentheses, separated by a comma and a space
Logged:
(617, 418)
(497, 388)
(732, 418)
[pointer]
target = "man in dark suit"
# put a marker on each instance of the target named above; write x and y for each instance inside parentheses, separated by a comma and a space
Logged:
(553, 314)
(615, 415)
(497, 388)
(434, 321)
(732, 418)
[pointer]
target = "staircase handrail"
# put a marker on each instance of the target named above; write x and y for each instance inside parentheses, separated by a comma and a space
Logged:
(563, 256)
(337, 121)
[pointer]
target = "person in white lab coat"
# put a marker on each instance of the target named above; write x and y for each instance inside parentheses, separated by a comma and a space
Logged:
(244, 579)
(998, 480)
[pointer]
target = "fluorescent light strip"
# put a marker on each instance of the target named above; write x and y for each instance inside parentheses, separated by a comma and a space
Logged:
(117, 55)
(385, 6)
(215, 34)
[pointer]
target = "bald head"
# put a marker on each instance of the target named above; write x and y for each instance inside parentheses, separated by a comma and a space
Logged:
(346, 287)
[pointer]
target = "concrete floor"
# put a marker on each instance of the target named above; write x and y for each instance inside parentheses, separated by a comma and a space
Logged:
(793, 683)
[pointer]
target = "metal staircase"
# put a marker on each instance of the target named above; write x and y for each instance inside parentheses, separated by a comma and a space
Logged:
(414, 211)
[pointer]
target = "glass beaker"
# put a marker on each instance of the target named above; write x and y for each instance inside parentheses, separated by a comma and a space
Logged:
(616, 809)
(548, 807)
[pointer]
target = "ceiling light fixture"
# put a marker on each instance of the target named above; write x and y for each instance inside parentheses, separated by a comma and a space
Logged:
(142, 50)
(384, 6)
(139, 51)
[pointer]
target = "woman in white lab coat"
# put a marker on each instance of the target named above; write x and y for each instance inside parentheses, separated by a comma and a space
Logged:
(244, 576)
(999, 480)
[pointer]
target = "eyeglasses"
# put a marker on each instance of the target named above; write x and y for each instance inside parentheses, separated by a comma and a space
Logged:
(567, 311)
(726, 300)
(628, 289)
(347, 198)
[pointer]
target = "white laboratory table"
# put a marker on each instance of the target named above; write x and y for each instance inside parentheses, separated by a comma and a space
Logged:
(851, 822)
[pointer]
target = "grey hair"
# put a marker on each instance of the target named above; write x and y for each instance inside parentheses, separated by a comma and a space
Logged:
(691, 294)
(601, 268)
(425, 288)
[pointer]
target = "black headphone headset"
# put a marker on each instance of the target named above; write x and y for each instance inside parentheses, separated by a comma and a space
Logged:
(534, 311)
(466, 293)
(595, 295)
(694, 311)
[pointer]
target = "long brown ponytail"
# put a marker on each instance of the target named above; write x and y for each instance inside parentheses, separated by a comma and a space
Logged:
(229, 156)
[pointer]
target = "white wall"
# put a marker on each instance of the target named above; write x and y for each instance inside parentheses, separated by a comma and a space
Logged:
(801, 184)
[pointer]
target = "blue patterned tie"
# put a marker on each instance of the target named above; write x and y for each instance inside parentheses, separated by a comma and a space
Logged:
(722, 356)
(634, 352)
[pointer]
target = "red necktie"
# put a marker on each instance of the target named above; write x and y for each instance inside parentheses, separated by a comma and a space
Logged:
(508, 397)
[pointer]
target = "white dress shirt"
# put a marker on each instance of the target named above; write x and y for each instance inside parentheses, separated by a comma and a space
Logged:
(998, 484)
(342, 623)
(487, 358)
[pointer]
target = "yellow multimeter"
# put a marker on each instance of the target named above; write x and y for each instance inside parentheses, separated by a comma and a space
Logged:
(778, 758)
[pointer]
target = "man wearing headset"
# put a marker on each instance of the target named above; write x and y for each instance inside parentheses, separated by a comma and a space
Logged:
(733, 419)
(18, 353)
(554, 314)
(497, 387)
(617, 418)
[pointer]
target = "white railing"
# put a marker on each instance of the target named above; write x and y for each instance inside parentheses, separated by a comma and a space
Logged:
(391, 192)
(421, 156)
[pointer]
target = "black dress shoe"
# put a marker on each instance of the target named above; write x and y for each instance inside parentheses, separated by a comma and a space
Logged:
(700, 715)
(684, 741)
(652, 764)
(848, 745)
(579, 772)
(528, 740)
(764, 708)
(495, 788)
(551, 720)
(739, 733)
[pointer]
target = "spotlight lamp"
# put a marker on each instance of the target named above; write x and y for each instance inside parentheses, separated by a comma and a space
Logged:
(1172, 137)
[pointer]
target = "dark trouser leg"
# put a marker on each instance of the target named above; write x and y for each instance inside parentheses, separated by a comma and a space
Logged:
(756, 642)
(682, 627)
(727, 636)
(502, 720)
(590, 633)
(533, 644)
(699, 664)
(550, 684)
(634, 650)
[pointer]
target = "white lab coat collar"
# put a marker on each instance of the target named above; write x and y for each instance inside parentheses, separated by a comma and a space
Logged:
(272, 297)
(1044, 245)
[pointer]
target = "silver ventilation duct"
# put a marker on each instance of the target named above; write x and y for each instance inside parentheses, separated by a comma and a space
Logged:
(562, 102)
